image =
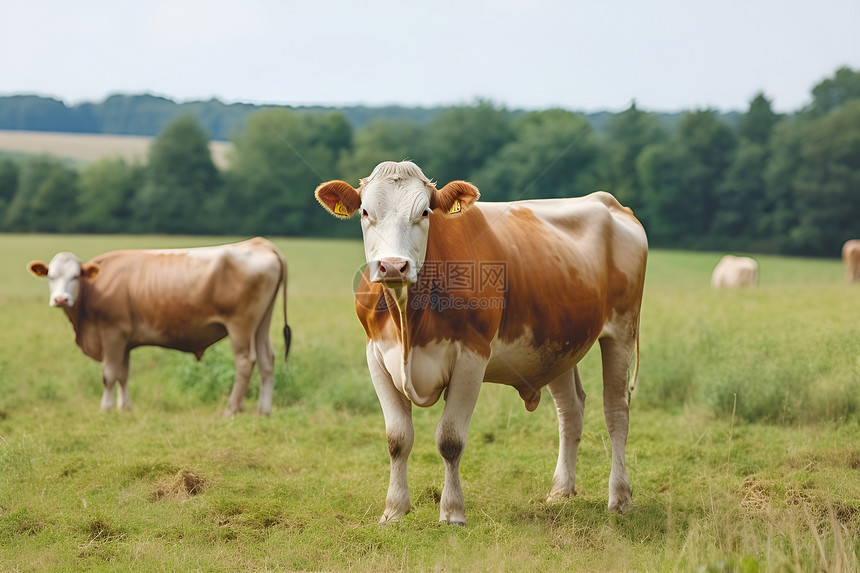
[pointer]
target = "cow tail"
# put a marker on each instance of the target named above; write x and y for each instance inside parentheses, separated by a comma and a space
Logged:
(635, 379)
(288, 334)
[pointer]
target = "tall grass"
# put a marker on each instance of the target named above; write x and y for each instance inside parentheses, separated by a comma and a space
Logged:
(744, 445)
(787, 349)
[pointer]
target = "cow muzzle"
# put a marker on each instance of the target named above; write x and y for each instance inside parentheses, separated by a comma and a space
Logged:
(59, 300)
(390, 271)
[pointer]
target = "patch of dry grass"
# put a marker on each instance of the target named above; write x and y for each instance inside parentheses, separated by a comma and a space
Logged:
(90, 147)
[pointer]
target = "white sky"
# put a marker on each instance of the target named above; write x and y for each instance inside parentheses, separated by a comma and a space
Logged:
(668, 55)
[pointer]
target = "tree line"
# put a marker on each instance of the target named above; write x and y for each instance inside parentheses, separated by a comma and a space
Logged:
(764, 183)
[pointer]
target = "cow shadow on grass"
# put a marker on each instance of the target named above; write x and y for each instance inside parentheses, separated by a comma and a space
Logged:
(647, 520)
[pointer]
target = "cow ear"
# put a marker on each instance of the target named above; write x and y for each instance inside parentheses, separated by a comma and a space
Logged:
(89, 270)
(38, 268)
(338, 198)
(454, 197)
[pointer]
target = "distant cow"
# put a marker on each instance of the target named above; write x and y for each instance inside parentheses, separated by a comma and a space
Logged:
(185, 299)
(851, 258)
(457, 293)
(734, 271)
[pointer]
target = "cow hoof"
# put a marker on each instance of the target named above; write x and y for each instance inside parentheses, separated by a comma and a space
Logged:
(390, 518)
(458, 521)
(560, 496)
(620, 506)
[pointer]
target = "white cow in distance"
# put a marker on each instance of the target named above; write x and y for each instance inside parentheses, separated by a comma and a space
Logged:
(734, 271)
(851, 258)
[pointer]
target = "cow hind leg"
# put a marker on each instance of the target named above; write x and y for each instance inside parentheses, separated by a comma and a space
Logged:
(115, 369)
(616, 355)
(569, 398)
(245, 358)
(265, 363)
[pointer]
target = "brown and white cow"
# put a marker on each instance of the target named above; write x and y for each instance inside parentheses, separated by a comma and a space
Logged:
(185, 299)
(457, 293)
(734, 271)
(851, 258)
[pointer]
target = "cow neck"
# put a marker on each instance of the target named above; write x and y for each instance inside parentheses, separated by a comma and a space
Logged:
(78, 317)
(400, 297)
(75, 314)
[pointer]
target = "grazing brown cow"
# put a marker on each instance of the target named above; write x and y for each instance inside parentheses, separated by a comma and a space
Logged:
(457, 293)
(185, 299)
(734, 271)
(851, 258)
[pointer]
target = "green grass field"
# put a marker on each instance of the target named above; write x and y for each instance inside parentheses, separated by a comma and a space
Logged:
(744, 447)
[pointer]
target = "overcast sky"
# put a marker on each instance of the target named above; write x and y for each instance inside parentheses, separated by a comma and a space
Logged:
(668, 55)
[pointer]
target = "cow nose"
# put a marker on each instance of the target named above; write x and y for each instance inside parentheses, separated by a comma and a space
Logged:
(59, 300)
(391, 269)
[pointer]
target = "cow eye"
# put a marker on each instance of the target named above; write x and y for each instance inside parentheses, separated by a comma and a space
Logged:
(425, 213)
(364, 214)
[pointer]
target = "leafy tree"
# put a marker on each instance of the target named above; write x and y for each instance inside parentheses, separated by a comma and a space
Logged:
(8, 183)
(681, 178)
(711, 145)
(180, 180)
(741, 195)
(827, 181)
(666, 203)
(742, 199)
(462, 139)
(628, 134)
(107, 189)
(835, 92)
(45, 199)
(780, 175)
(379, 141)
(757, 123)
(278, 161)
(552, 155)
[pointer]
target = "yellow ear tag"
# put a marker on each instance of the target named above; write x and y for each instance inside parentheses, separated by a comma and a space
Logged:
(455, 208)
(340, 209)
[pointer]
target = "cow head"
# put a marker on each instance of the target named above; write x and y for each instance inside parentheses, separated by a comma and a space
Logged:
(64, 274)
(395, 203)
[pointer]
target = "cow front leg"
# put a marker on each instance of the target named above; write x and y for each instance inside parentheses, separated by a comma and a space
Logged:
(569, 398)
(400, 434)
(124, 399)
(108, 383)
(460, 398)
(616, 355)
(115, 369)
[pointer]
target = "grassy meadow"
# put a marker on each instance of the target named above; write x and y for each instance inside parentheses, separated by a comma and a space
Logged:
(744, 446)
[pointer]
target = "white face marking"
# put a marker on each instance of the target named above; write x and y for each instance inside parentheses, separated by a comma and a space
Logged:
(64, 277)
(395, 224)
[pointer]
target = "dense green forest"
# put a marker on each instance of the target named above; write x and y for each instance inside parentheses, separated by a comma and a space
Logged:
(148, 114)
(754, 181)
